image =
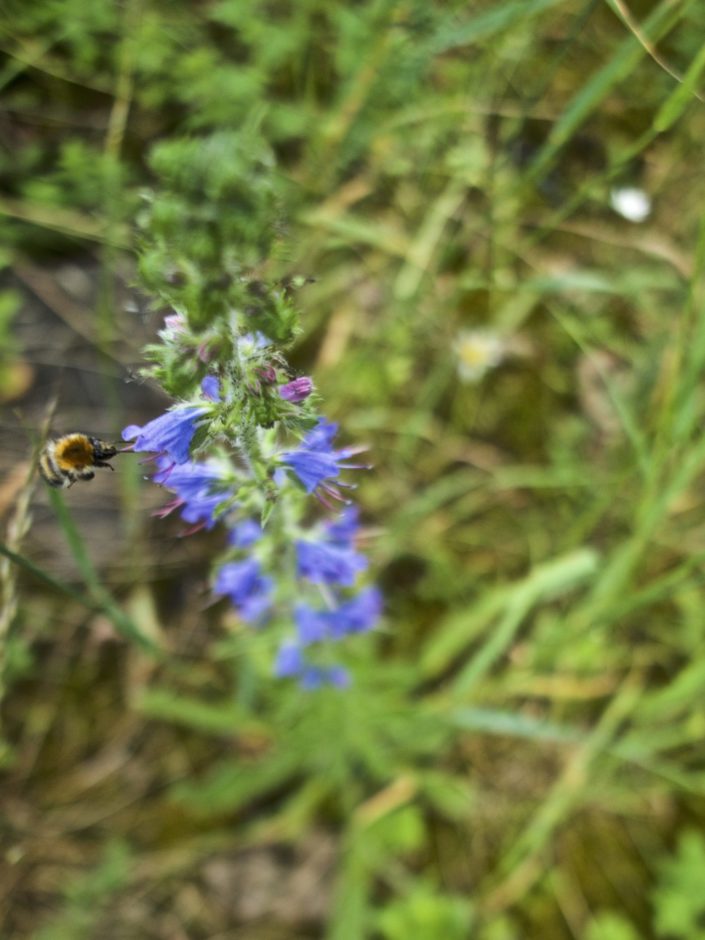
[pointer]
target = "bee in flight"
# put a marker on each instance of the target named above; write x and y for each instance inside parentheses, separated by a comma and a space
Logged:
(71, 458)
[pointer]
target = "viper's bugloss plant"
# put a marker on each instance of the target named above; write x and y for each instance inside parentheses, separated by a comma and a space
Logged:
(244, 446)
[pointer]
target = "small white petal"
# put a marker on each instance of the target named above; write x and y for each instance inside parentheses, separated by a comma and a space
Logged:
(478, 351)
(631, 203)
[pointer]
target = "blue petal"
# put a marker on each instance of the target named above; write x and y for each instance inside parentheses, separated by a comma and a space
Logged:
(210, 386)
(328, 564)
(170, 433)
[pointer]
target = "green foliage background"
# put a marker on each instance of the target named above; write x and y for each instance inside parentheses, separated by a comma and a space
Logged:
(522, 753)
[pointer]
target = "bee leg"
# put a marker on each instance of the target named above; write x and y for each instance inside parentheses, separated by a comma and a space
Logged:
(104, 463)
(86, 474)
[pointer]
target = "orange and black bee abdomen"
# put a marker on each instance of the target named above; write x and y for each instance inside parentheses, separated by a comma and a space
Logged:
(73, 452)
(50, 471)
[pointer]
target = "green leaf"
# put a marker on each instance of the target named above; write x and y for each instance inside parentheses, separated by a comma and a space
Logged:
(211, 718)
(594, 90)
(426, 913)
(485, 25)
(682, 97)
(610, 926)
(231, 784)
(679, 901)
(397, 833)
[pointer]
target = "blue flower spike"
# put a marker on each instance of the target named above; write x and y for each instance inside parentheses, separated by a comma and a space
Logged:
(292, 575)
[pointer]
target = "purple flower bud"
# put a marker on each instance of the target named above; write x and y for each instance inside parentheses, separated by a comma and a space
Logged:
(268, 374)
(296, 390)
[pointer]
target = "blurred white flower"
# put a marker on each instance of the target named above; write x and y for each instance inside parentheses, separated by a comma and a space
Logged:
(631, 203)
(478, 351)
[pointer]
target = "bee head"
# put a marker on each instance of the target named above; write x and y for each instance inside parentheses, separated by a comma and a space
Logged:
(102, 450)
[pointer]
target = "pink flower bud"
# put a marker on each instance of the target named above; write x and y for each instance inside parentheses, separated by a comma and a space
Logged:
(297, 390)
(267, 374)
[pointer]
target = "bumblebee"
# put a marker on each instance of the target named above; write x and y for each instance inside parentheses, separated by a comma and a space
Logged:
(71, 458)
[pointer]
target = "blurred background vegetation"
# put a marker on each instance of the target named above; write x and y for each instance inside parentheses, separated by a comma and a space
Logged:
(502, 207)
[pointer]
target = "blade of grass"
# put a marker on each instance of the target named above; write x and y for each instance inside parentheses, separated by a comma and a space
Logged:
(102, 598)
(484, 25)
(67, 221)
(629, 424)
(545, 582)
(634, 747)
(517, 868)
(625, 16)
(459, 629)
(594, 91)
(620, 159)
(674, 106)
(48, 579)
(613, 581)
